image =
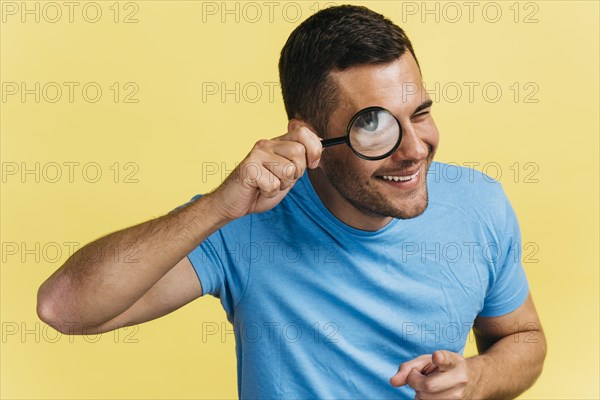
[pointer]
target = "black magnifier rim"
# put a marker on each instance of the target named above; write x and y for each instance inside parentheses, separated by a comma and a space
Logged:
(364, 111)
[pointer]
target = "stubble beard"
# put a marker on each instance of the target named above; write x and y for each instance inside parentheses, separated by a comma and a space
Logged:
(368, 196)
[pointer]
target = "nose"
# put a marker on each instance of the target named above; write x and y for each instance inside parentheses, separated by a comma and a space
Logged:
(412, 147)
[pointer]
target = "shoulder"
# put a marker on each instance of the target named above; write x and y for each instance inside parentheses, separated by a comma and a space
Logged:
(463, 183)
(469, 190)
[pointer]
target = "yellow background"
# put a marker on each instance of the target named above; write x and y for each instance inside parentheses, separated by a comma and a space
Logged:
(171, 53)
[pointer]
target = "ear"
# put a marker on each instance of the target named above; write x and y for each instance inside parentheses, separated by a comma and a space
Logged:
(295, 123)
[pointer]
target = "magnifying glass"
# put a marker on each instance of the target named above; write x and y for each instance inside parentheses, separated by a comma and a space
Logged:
(373, 133)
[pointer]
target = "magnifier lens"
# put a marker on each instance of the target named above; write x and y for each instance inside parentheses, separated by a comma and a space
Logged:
(374, 133)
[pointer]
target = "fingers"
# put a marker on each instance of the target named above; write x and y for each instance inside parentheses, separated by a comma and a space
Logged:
(416, 380)
(445, 378)
(429, 369)
(266, 182)
(445, 360)
(426, 387)
(309, 140)
(419, 363)
(268, 172)
(293, 156)
(455, 393)
(285, 162)
(269, 177)
(285, 157)
(452, 369)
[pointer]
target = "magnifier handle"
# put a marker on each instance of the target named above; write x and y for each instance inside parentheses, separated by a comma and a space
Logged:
(333, 141)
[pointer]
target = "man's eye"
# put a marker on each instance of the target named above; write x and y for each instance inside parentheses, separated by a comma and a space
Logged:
(421, 114)
(368, 121)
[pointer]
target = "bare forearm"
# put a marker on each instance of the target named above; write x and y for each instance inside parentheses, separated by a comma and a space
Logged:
(104, 278)
(508, 367)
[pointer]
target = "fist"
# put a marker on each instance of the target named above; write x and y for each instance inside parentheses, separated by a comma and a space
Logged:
(268, 173)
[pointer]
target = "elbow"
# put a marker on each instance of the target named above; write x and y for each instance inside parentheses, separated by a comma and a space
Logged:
(543, 351)
(538, 356)
(45, 312)
(50, 310)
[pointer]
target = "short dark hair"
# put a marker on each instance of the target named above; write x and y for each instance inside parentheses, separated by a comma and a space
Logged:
(333, 39)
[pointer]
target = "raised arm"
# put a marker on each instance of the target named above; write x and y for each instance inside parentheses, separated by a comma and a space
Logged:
(141, 273)
(105, 278)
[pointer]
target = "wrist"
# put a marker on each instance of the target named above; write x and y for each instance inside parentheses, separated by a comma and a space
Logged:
(477, 367)
(212, 211)
(200, 218)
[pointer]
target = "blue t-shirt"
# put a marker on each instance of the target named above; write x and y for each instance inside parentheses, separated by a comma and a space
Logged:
(323, 310)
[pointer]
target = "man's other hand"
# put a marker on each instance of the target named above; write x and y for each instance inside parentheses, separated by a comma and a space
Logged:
(443, 375)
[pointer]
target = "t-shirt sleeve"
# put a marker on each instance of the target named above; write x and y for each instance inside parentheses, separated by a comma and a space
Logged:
(219, 264)
(211, 271)
(508, 287)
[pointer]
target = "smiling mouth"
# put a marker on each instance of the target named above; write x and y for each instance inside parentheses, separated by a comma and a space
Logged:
(400, 178)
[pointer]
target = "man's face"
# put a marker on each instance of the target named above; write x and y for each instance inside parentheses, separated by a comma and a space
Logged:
(362, 192)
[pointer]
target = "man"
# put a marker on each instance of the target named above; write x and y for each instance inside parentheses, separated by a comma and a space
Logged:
(342, 289)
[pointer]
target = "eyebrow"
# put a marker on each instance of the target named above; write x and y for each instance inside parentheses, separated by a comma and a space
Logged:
(423, 105)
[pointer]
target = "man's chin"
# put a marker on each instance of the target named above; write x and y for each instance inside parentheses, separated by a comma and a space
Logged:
(400, 209)
(409, 208)
(413, 212)
(410, 204)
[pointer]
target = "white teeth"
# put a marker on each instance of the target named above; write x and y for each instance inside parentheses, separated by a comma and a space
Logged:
(400, 178)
